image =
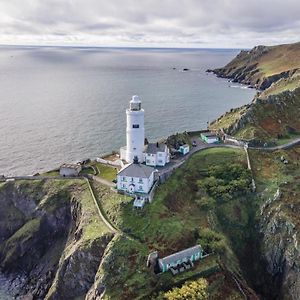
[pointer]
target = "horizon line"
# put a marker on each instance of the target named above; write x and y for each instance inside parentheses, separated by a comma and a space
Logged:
(120, 47)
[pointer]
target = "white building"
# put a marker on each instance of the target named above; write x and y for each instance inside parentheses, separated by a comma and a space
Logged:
(136, 178)
(135, 132)
(66, 170)
(157, 154)
(184, 149)
(209, 137)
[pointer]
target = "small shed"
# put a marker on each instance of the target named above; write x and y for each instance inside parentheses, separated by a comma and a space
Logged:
(184, 149)
(66, 170)
(183, 257)
(210, 138)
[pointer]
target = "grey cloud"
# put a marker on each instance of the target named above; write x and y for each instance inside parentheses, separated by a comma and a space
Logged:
(215, 23)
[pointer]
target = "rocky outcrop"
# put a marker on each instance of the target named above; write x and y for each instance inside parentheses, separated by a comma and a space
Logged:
(281, 248)
(272, 117)
(262, 66)
(45, 252)
(77, 269)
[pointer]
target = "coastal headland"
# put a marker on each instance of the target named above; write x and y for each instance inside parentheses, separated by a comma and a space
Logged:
(76, 238)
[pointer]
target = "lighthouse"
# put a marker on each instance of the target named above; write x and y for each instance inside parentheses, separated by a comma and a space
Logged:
(135, 132)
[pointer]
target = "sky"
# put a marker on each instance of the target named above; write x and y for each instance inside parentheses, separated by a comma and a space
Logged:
(150, 23)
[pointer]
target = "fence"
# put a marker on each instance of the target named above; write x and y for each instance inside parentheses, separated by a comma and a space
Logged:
(233, 140)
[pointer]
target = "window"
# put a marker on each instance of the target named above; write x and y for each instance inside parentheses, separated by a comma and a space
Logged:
(159, 154)
(140, 187)
(148, 161)
(135, 126)
(124, 178)
(140, 180)
(160, 161)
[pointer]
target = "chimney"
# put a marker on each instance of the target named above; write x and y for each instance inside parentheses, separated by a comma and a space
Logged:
(135, 160)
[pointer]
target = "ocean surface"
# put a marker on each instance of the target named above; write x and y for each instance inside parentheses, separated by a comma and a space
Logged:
(60, 104)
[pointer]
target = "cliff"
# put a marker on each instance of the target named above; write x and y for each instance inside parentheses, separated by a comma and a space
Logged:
(273, 115)
(277, 218)
(54, 244)
(266, 120)
(263, 66)
(52, 241)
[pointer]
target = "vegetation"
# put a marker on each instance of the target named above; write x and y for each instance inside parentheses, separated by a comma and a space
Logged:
(225, 181)
(179, 139)
(105, 171)
(192, 290)
(261, 65)
(174, 221)
(273, 115)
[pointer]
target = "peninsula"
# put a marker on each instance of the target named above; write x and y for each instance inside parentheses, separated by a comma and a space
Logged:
(223, 221)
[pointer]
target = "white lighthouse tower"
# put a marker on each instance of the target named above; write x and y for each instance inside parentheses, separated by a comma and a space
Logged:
(135, 132)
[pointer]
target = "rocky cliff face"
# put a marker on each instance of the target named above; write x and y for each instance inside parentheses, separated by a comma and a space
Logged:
(272, 117)
(262, 66)
(51, 245)
(281, 247)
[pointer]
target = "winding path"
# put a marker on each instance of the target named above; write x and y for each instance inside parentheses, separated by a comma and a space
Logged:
(279, 147)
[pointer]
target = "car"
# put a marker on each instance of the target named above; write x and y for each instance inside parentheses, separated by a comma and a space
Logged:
(194, 143)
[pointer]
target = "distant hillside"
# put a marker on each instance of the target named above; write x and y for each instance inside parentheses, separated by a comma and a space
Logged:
(264, 65)
(274, 114)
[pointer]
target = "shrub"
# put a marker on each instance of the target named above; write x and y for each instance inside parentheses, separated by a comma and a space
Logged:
(211, 241)
(192, 290)
(226, 180)
(206, 202)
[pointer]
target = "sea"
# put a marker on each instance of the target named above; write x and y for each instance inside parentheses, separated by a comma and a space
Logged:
(65, 104)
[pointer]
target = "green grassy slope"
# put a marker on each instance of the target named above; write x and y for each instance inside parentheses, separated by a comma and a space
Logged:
(172, 222)
(263, 65)
(275, 111)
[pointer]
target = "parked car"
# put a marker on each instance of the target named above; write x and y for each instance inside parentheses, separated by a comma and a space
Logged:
(194, 143)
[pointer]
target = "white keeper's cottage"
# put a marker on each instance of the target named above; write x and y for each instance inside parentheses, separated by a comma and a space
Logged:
(136, 178)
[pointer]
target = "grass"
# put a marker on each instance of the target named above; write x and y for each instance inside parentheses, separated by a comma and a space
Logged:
(51, 173)
(287, 139)
(92, 225)
(168, 225)
(268, 170)
(22, 235)
(86, 171)
(105, 171)
(282, 86)
(228, 119)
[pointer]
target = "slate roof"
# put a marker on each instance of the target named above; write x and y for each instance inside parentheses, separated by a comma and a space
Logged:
(181, 255)
(209, 134)
(137, 170)
(153, 149)
(70, 166)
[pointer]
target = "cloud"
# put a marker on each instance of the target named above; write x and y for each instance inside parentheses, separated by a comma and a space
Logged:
(195, 23)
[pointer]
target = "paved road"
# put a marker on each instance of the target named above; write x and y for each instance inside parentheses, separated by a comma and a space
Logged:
(281, 147)
(175, 163)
